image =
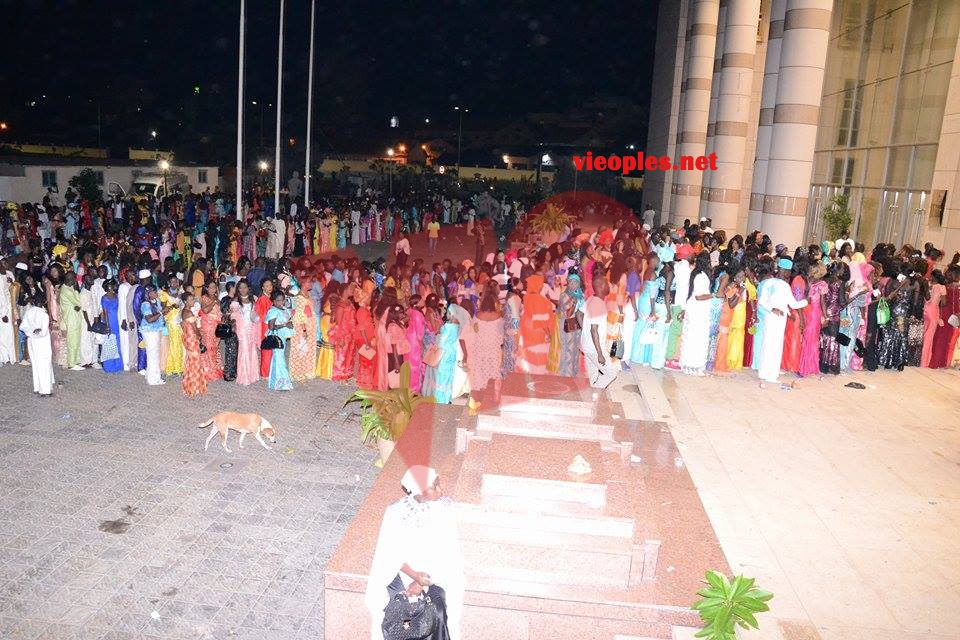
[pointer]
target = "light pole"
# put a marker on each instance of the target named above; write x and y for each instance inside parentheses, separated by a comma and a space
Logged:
(459, 136)
(164, 166)
(391, 153)
(276, 162)
(306, 186)
(240, 114)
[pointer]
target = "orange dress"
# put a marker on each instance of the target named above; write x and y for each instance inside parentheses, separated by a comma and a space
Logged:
(194, 381)
(536, 327)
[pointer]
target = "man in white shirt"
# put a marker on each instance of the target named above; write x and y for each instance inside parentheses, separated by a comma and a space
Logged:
(649, 215)
(601, 368)
(777, 299)
(844, 239)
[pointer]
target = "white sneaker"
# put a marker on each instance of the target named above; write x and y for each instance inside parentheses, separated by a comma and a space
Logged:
(25, 363)
(97, 365)
(143, 373)
(77, 368)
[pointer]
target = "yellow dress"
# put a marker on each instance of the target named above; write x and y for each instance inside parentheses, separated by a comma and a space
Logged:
(174, 363)
(326, 357)
(738, 322)
(332, 246)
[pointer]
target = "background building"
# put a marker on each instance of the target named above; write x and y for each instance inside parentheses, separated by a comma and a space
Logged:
(805, 99)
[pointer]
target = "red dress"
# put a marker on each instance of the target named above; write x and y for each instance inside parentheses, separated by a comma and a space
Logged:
(791, 336)
(366, 367)
(212, 367)
(263, 306)
(344, 343)
(194, 382)
(945, 339)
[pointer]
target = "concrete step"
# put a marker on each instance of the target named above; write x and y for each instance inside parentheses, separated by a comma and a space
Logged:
(545, 426)
(546, 406)
(582, 524)
(580, 493)
(551, 539)
(526, 563)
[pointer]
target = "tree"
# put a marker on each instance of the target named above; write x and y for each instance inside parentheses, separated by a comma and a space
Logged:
(837, 217)
(85, 184)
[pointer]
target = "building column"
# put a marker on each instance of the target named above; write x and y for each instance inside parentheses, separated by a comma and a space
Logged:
(714, 98)
(733, 112)
(803, 55)
(692, 132)
(768, 100)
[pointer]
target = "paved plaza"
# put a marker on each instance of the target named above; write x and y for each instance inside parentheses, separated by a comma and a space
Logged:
(116, 523)
(843, 502)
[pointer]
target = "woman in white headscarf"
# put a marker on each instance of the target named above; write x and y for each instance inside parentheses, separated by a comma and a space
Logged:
(418, 547)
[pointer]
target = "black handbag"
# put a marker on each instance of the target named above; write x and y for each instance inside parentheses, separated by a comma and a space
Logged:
(224, 331)
(616, 349)
(271, 342)
(405, 620)
(843, 339)
(101, 327)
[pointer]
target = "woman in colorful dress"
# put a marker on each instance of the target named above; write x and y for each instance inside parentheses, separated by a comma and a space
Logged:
(325, 357)
(303, 343)
(416, 329)
(945, 337)
(512, 309)
(535, 327)
(342, 335)
(696, 318)
(110, 313)
(433, 323)
(365, 337)
(210, 316)
(264, 302)
(172, 342)
(394, 345)
(899, 294)
(194, 382)
(852, 316)
(247, 327)
(931, 314)
(790, 360)
(813, 321)
(449, 342)
(569, 328)
(280, 325)
(51, 287)
(729, 338)
(485, 345)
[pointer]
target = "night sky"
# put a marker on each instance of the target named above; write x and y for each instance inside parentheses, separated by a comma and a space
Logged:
(171, 66)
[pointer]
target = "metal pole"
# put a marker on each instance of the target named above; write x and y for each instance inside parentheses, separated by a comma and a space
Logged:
(240, 116)
(276, 162)
(306, 188)
(459, 137)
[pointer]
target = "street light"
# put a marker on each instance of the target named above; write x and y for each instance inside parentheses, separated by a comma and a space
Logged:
(390, 152)
(403, 148)
(459, 136)
(263, 165)
(4, 126)
(164, 166)
(153, 134)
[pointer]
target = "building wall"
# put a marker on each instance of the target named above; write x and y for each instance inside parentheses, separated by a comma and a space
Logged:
(945, 232)
(882, 114)
(665, 101)
(29, 187)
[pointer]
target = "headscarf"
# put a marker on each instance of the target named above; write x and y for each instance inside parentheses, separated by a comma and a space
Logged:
(578, 294)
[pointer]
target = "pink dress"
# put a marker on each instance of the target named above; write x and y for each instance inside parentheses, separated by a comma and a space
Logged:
(810, 340)
(416, 327)
(248, 342)
(931, 320)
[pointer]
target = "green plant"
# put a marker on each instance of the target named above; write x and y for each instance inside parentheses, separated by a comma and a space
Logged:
(553, 219)
(85, 184)
(392, 408)
(837, 217)
(727, 603)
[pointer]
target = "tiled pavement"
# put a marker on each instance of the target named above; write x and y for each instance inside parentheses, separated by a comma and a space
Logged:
(116, 524)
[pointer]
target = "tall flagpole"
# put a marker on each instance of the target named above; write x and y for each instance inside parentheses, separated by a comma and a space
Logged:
(276, 163)
(306, 189)
(240, 116)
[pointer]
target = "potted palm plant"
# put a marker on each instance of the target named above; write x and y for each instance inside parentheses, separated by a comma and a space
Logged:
(727, 604)
(385, 414)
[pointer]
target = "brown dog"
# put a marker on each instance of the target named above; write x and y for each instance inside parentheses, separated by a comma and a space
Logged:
(242, 423)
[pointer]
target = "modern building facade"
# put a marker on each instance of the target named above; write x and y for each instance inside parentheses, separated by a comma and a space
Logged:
(802, 100)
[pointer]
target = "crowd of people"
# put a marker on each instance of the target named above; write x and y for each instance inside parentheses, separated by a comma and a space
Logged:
(180, 289)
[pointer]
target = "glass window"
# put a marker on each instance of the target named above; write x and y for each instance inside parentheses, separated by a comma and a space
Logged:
(846, 112)
(836, 173)
(924, 160)
(881, 114)
(908, 108)
(866, 227)
(919, 35)
(898, 168)
(884, 48)
(48, 178)
(828, 119)
(945, 30)
(934, 99)
(876, 165)
(202, 176)
(821, 163)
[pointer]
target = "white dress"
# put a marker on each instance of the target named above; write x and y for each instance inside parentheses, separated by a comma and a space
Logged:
(695, 342)
(41, 350)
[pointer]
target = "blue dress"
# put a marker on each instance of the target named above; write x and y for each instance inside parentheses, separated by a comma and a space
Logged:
(279, 379)
(641, 353)
(448, 338)
(761, 319)
(111, 306)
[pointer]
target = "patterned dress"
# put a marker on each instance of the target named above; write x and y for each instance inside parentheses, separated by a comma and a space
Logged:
(279, 379)
(194, 380)
(569, 365)
(829, 347)
(893, 343)
(325, 359)
(511, 329)
(212, 368)
(344, 344)
(303, 344)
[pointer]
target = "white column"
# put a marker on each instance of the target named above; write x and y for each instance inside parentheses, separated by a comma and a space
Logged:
(714, 98)
(768, 100)
(692, 133)
(240, 114)
(733, 112)
(803, 55)
(306, 170)
(276, 162)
